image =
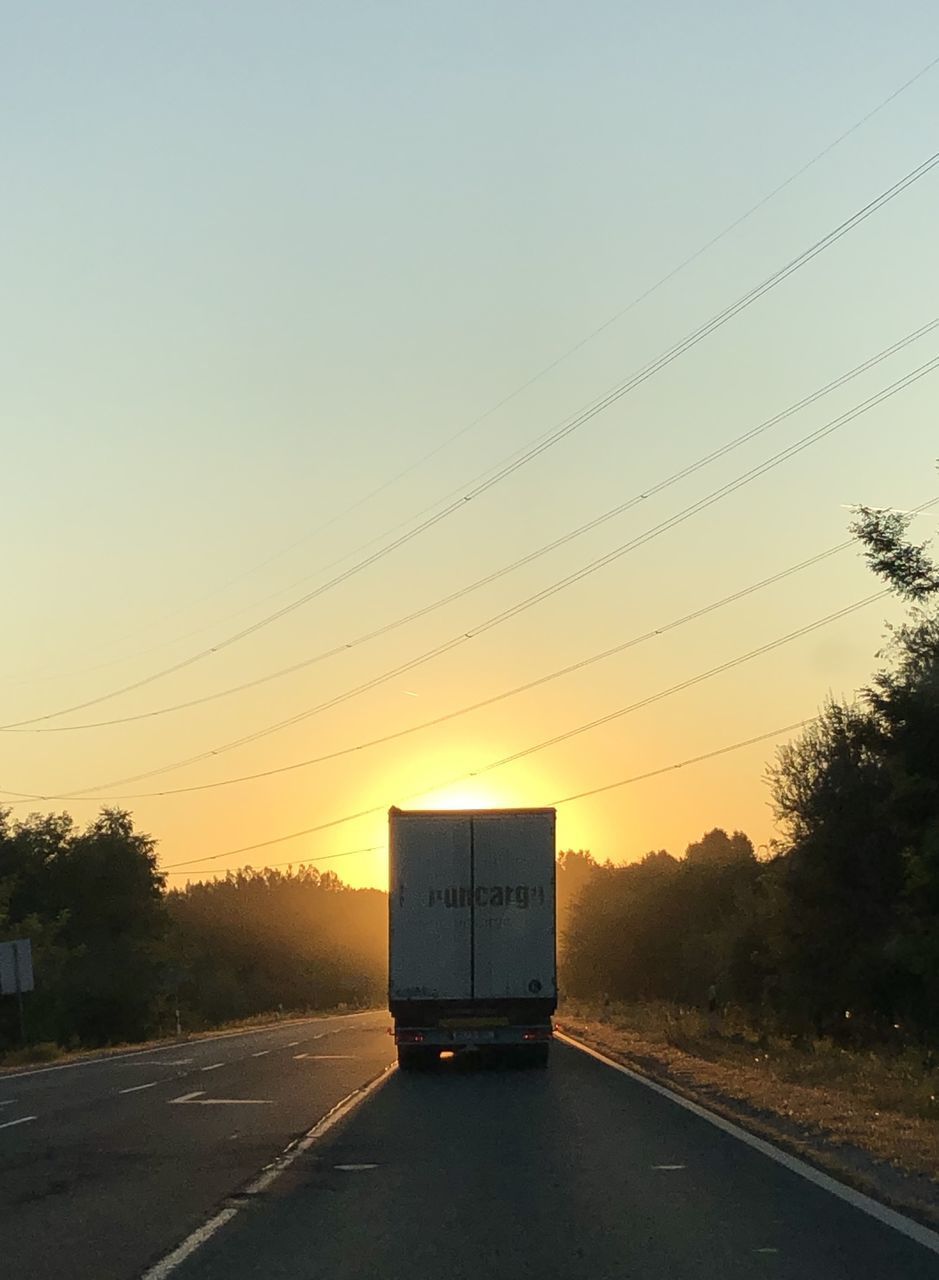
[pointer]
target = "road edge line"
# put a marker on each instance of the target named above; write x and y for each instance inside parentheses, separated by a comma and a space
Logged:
(196, 1239)
(166, 1266)
(909, 1227)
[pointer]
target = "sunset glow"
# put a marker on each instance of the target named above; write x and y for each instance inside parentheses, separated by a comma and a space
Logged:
(350, 486)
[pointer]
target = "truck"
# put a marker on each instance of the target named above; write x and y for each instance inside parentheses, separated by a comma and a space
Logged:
(472, 934)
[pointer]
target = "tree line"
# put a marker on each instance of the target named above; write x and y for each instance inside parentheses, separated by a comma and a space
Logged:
(837, 932)
(117, 957)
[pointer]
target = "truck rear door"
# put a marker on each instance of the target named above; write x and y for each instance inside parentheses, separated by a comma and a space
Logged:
(430, 907)
(513, 906)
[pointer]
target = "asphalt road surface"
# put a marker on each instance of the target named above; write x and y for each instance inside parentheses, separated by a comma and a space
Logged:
(578, 1173)
(106, 1165)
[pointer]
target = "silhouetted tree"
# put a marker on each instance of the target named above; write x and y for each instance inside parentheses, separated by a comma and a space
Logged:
(91, 901)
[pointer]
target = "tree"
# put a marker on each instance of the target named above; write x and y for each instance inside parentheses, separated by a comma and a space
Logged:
(905, 565)
(717, 848)
(260, 940)
(575, 870)
(92, 904)
(661, 928)
(842, 873)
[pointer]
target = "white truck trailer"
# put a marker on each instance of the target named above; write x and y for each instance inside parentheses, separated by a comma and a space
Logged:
(472, 933)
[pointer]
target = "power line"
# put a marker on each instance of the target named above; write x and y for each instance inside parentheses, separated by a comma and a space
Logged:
(684, 684)
(702, 504)
(546, 442)
(618, 315)
(293, 862)
(683, 764)
(660, 630)
(553, 364)
(730, 665)
(594, 523)
(580, 795)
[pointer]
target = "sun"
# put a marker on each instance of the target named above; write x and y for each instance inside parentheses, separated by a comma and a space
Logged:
(464, 795)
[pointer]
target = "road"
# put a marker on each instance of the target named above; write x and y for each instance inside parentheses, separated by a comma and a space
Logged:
(107, 1164)
(575, 1172)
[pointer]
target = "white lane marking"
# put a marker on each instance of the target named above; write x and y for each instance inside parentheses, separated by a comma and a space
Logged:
(354, 1168)
(668, 1166)
(889, 1217)
(188, 1247)
(765, 1250)
(214, 1067)
(22, 1120)
(263, 1054)
(319, 1130)
(164, 1062)
(7, 1102)
(166, 1266)
(231, 1102)
(137, 1087)
(167, 1048)
(297, 1056)
(293, 1044)
(330, 1057)
(198, 1099)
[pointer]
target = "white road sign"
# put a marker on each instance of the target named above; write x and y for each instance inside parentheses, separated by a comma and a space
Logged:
(16, 966)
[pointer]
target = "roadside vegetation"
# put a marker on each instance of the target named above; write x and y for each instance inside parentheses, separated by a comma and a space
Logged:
(116, 956)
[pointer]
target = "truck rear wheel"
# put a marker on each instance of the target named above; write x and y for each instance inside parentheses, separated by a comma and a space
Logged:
(540, 1054)
(533, 1055)
(525, 1056)
(415, 1058)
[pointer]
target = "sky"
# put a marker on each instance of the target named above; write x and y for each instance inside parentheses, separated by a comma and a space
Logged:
(286, 284)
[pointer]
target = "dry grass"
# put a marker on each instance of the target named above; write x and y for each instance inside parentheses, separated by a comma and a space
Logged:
(34, 1053)
(819, 1098)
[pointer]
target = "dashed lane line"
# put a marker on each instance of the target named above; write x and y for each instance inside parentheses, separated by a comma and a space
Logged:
(137, 1088)
(22, 1120)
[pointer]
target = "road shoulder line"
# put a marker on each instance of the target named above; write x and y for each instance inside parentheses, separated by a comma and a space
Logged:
(168, 1264)
(922, 1235)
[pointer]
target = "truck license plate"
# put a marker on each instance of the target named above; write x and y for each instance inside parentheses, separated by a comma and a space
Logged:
(479, 1033)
